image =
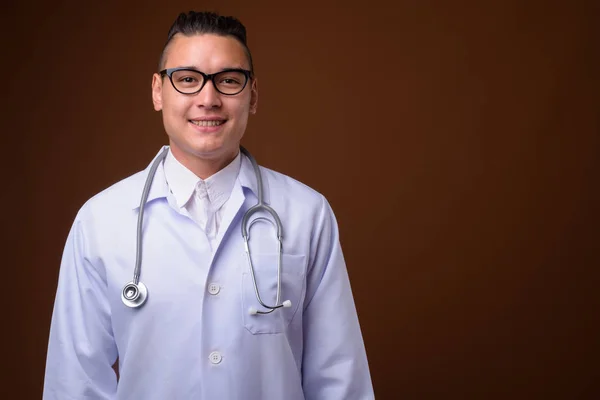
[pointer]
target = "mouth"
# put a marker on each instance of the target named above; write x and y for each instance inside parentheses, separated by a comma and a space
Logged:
(208, 123)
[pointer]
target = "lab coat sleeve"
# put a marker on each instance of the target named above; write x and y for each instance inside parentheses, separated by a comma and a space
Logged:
(334, 365)
(81, 349)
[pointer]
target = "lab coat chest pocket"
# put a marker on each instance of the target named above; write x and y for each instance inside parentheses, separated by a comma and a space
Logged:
(292, 288)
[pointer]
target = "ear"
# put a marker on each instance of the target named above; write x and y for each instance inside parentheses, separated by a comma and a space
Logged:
(254, 96)
(157, 92)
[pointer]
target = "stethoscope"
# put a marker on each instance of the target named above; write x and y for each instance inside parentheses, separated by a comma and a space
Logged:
(135, 293)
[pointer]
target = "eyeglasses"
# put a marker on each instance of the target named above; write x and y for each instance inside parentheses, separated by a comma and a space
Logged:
(191, 81)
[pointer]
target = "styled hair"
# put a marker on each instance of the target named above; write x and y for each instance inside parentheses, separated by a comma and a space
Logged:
(197, 23)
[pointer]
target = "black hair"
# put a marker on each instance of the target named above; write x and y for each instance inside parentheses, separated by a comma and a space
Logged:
(196, 23)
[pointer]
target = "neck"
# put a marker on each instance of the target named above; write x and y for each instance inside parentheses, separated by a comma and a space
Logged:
(203, 167)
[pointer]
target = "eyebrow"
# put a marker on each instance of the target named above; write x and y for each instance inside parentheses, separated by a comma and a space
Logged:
(198, 69)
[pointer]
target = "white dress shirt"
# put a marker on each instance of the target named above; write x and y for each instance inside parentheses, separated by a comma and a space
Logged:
(194, 338)
(189, 191)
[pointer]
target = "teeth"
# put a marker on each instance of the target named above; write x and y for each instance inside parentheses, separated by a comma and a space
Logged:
(207, 123)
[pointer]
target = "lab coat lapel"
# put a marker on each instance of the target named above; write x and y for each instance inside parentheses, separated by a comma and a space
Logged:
(244, 186)
(235, 203)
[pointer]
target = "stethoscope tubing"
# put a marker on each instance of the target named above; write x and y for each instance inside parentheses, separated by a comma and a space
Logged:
(135, 293)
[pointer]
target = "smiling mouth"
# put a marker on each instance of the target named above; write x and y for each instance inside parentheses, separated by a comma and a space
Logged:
(208, 123)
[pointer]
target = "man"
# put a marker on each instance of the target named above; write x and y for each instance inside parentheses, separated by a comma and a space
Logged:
(193, 326)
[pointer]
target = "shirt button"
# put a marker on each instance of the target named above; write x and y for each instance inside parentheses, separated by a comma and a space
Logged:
(214, 288)
(215, 357)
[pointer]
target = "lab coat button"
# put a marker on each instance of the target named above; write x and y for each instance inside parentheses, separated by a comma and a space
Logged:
(214, 288)
(215, 357)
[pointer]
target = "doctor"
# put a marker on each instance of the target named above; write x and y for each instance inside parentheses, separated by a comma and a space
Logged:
(198, 331)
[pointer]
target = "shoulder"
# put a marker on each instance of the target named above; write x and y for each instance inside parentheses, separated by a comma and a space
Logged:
(288, 191)
(117, 199)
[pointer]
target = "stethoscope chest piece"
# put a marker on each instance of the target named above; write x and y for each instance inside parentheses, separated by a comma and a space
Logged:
(134, 295)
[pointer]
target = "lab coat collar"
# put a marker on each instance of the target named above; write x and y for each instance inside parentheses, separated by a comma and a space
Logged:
(247, 179)
(160, 187)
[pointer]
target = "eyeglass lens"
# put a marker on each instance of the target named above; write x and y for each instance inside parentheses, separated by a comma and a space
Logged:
(227, 82)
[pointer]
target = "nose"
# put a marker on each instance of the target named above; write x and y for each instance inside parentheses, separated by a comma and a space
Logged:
(208, 97)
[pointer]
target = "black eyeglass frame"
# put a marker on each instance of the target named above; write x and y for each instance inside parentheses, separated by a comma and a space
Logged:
(207, 77)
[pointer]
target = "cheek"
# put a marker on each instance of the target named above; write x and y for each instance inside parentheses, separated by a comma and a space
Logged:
(240, 109)
(176, 105)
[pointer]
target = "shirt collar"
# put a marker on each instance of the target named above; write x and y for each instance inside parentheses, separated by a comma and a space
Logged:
(160, 187)
(183, 182)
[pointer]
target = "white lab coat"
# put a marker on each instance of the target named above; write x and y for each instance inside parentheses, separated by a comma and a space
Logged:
(194, 338)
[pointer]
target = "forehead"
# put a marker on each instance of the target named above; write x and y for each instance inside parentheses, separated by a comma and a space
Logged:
(206, 52)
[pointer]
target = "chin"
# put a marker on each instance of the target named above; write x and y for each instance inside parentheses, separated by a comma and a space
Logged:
(213, 151)
(204, 147)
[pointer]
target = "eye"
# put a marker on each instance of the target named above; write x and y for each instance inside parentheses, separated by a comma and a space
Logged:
(188, 79)
(230, 81)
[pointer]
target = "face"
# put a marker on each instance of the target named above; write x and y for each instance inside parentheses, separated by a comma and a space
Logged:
(186, 116)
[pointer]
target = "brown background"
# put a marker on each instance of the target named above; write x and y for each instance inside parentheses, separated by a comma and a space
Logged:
(457, 142)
